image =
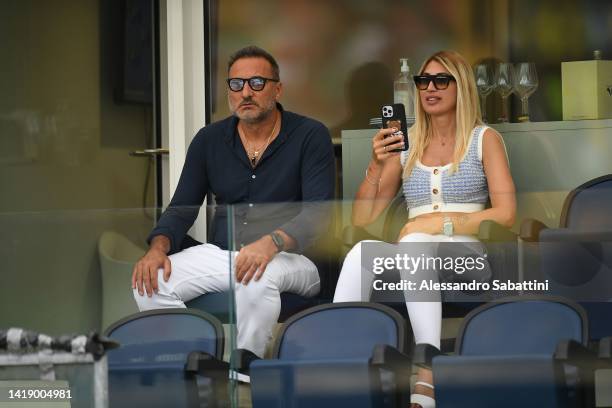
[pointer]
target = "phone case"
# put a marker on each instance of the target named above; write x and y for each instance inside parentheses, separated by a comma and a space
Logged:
(395, 116)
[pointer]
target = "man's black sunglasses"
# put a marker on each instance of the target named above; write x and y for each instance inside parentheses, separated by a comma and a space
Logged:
(440, 81)
(256, 83)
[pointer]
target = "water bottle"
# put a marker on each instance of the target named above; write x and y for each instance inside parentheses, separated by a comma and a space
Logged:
(403, 90)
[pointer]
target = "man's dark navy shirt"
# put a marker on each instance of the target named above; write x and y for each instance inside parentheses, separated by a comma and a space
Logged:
(284, 191)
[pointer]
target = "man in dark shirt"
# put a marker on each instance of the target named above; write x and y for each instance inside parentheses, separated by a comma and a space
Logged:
(271, 172)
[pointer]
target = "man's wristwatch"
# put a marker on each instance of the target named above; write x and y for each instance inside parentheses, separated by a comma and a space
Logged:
(278, 240)
(447, 226)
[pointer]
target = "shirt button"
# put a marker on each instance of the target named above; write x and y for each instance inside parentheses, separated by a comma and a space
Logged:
(435, 191)
(250, 204)
(436, 171)
(436, 207)
(253, 176)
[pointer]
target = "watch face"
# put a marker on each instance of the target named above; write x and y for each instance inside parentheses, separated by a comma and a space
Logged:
(448, 228)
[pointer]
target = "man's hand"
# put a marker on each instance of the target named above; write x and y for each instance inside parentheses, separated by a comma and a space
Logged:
(144, 275)
(252, 259)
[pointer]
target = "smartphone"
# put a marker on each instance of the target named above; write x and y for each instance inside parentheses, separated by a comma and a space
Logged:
(394, 116)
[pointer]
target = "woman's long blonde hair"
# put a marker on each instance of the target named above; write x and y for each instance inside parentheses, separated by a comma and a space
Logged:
(467, 111)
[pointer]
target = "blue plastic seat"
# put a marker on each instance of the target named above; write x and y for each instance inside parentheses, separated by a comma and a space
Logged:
(576, 257)
(337, 355)
(519, 352)
(167, 357)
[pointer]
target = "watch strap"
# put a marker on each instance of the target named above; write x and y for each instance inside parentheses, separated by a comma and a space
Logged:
(278, 240)
(447, 226)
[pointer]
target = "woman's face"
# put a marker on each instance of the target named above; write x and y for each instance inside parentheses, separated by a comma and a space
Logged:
(434, 101)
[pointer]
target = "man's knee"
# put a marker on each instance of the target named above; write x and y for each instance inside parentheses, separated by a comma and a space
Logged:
(144, 302)
(156, 300)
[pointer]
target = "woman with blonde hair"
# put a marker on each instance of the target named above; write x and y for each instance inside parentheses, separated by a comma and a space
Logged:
(454, 165)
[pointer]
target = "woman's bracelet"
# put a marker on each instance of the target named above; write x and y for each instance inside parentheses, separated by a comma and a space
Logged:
(370, 181)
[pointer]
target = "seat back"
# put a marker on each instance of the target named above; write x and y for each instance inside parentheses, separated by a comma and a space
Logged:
(215, 303)
(521, 325)
(149, 367)
(577, 257)
(340, 331)
(587, 207)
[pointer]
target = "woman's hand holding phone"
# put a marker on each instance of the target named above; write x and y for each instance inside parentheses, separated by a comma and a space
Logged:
(385, 142)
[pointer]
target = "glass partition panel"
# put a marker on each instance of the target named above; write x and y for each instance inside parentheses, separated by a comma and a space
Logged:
(286, 256)
(56, 264)
(319, 311)
(68, 272)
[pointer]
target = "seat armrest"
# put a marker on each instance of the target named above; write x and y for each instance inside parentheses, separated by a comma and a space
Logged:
(605, 348)
(491, 231)
(569, 235)
(201, 365)
(389, 358)
(352, 235)
(575, 353)
(424, 354)
(242, 359)
(571, 349)
(385, 355)
(202, 362)
(98, 344)
(530, 230)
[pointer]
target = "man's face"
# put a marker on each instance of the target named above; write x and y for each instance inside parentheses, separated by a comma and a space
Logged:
(249, 105)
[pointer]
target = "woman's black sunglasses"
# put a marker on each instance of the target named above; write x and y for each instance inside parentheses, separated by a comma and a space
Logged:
(256, 83)
(440, 81)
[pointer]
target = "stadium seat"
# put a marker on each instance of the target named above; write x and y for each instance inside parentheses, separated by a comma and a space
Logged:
(576, 257)
(518, 352)
(338, 355)
(168, 357)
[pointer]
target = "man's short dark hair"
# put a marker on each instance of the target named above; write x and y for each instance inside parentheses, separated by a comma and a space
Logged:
(253, 51)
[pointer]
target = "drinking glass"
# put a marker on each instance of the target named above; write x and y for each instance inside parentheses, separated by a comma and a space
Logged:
(504, 85)
(525, 84)
(484, 84)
